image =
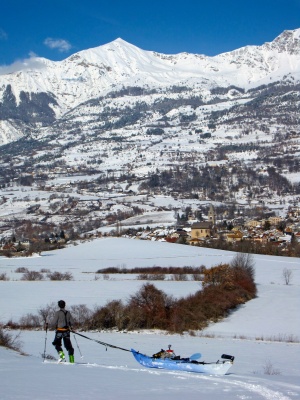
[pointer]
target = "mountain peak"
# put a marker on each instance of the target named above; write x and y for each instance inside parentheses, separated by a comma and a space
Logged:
(117, 50)
(288, 41)
(119, 43)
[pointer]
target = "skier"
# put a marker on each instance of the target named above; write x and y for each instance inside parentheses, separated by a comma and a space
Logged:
(62, 322)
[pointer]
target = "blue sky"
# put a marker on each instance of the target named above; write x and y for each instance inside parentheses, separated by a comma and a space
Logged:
(56, 29)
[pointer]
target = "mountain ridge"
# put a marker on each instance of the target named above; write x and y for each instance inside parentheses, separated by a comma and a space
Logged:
(47, 91)
(129, 59)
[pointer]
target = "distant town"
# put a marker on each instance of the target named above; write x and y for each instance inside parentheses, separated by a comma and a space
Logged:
(273, 235)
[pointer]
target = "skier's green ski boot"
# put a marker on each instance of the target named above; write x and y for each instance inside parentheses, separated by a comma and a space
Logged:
(62, 357)
(71, 359)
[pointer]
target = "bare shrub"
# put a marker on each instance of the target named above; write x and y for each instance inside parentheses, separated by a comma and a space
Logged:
(110, 316)
(4, 277)
(246, 262)
(9, 341)
(287, 275)
(179, 277)
(224, 287)
(209, 335)
(143, 277)
(157, 277)
(291, 338)
(218, 275)
(32, 276)
(30, 321)
(261, 338)
(197, 277)
(152, 270)
(269, 369)
(60, 276)
(242, 337)
(81, 314)
(281, 337)
(151, 277)
(10, 324)
(21, 270)
(7, 253)
(47, 313)
(149, 308)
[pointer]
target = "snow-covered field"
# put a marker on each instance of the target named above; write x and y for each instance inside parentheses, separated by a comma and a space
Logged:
(266, 365)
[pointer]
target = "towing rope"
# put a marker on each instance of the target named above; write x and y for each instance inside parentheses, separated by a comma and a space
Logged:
(103, 343)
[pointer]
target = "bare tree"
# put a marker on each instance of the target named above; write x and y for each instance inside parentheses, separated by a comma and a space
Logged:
(47, 312)
(244, 261)
(287, 275)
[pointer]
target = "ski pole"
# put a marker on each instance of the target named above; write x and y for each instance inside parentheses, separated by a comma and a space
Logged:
(81, 356)
(44, 356)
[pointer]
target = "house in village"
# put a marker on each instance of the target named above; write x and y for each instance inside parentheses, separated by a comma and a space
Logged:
(253, 224)
(196, 242)
(201, 230)
(288, 231)
(275, 220)
(297, 236)
(294, 212)
(234, 236)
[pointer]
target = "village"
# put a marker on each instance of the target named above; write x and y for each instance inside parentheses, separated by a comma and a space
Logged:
(282, 232)
(274, 235)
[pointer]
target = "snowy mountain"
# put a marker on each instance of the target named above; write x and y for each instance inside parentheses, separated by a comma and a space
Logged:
(44, 91)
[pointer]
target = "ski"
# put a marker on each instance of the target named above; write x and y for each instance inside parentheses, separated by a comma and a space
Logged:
(65, 362)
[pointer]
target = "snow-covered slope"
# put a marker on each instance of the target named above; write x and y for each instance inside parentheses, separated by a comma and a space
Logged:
(266, 364)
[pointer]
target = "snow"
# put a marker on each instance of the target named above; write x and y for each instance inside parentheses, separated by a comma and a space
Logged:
(263, 334)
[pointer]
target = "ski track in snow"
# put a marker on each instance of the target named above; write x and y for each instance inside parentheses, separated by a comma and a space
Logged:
(263, 391)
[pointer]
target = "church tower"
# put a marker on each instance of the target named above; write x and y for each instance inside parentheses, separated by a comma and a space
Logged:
(212, 217)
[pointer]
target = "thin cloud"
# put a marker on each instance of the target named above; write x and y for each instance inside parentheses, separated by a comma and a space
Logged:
(3, 34)
(22, 65)
(61, 45)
